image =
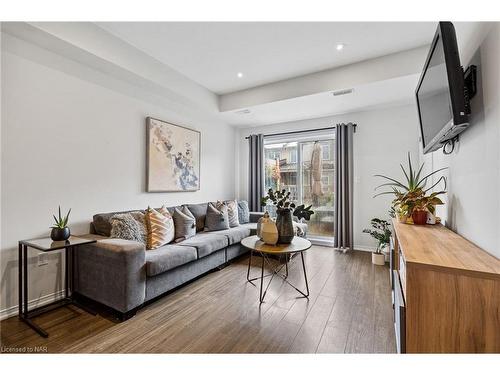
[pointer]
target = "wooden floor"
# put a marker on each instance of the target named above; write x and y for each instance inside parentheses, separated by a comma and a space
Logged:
(349, 311)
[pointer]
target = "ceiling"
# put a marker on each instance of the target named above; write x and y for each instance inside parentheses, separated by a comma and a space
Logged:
(396, 91)
(212, 54)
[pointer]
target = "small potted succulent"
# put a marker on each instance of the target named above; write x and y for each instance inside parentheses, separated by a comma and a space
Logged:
(60, 230)
(284, 206)
(382, 234)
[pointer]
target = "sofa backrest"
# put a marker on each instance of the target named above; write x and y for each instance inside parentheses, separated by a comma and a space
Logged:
(101, 222)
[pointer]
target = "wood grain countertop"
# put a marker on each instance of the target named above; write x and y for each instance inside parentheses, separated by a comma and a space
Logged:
(436, 246)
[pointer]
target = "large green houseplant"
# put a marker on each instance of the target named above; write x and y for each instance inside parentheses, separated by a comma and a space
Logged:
(411, 198)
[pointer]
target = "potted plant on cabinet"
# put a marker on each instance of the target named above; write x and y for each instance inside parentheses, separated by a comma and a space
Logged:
(284, 206)
(60, 230)
(408, 191)
(423, 205)
(382, 234)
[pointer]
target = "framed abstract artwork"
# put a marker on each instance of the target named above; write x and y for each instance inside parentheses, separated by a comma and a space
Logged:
(173, 157)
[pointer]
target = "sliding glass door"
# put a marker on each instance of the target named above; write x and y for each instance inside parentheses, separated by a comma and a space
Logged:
(304, 165)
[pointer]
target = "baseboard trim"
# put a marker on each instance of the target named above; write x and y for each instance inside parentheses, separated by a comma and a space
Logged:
(33, 304)
(365, 248)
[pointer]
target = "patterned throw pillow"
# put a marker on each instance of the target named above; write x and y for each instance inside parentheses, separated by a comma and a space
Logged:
(160, 228)
(243, 212)
(126, 227)
(217, 217)
(185, 224)
(232, 213)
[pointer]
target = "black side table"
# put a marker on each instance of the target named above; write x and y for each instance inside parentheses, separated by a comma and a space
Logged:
(46, 245)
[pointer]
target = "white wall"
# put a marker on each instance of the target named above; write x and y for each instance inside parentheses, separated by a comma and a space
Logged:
(382, 139)
(472, 203)
(70, 141)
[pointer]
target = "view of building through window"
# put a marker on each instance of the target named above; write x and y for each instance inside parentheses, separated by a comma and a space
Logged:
(306, 169)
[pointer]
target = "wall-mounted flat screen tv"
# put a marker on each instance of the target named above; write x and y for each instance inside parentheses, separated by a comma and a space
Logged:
(440, 92)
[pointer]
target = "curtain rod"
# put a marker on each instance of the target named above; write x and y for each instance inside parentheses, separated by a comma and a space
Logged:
(303, 131)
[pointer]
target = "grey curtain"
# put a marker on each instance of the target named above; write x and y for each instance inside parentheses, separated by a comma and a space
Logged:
(256, 171)
(343, 236)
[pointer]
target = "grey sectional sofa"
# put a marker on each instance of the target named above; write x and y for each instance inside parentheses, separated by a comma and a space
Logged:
(122, 275)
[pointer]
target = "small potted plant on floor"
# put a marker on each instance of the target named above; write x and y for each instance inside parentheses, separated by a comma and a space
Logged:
(382, 234)
(60, 230)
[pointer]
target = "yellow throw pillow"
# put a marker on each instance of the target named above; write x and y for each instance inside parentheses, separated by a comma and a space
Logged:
(160, 227)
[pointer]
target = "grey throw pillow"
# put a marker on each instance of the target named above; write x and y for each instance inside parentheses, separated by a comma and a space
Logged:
(243, 212)
(185, 224)
(217, 217)
(126, 227)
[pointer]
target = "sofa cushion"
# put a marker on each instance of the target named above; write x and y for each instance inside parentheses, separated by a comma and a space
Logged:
(160, 228)
(206, 243)
(185, 223)
(232, 213)
(168, 257)
(243, 212)
(252, 227)
(217, 217)
(300, 229)
(199, 211)
(102, 224)
(127, 227)
(235, 235)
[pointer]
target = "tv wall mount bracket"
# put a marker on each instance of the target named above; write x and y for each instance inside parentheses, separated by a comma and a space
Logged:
(470, 86)
(470, 89)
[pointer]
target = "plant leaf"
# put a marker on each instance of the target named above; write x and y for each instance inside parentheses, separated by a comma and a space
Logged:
(393, 180)
(411, 171)
(431, 174)
(406, 175)
(438, 181)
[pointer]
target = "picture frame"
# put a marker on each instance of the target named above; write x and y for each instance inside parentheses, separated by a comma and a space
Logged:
(173, 157)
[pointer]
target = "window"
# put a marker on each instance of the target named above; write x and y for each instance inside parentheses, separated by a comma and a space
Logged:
(294, 173)
(326, 151)
(273, 154)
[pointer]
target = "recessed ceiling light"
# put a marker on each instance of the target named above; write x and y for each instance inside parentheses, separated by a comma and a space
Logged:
(340, 46)
(240, 75)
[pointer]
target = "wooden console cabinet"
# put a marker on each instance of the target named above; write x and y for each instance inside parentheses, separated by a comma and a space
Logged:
(446, 292)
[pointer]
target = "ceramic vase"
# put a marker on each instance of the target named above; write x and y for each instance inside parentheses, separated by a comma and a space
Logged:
(284, 223)
(60, 234)
(259, 223)
(268, 231)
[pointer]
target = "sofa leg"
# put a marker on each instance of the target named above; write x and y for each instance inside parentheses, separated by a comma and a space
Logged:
(222, 266)
(123, 316)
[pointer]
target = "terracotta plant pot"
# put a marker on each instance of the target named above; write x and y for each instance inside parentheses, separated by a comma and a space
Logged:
(378, 259)
(419, 217)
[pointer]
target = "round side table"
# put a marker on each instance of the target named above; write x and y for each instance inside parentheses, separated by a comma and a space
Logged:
(298, 245)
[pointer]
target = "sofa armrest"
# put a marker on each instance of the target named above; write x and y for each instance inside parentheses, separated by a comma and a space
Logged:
(255, 216)
(112, 272)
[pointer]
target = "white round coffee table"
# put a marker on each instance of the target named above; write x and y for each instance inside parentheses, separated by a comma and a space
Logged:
(298, 245)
